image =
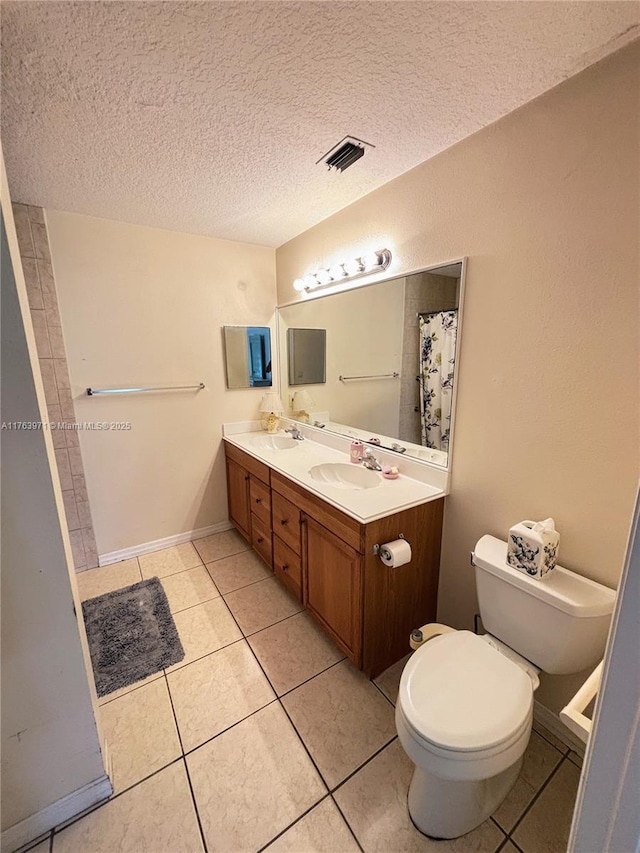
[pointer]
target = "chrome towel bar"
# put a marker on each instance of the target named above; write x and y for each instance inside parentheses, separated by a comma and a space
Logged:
(393, 375)
(92, 391)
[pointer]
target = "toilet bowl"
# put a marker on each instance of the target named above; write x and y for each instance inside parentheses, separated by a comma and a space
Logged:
(465, 704)
(463, 716)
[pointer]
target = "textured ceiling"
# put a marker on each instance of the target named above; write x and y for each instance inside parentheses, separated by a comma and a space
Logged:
(209, 117)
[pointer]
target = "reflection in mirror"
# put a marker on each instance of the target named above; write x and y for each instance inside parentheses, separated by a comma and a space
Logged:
(390, 360)
(248, 356)
(307, 356)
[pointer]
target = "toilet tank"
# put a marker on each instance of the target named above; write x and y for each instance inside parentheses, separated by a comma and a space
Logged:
(559, 623)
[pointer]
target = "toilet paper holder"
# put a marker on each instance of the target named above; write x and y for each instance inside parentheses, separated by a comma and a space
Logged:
(376, 548)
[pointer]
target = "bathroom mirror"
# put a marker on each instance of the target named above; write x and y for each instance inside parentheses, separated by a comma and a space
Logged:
(307, 356)
(390, 354)
(247, 352)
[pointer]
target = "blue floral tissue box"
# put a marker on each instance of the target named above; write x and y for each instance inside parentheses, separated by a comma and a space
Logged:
(533, 547)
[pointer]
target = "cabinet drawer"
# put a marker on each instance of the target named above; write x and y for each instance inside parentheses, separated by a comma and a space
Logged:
(286, 521)
(287, 566)
(260, 500)
(347, 528)
(253, 465)
(261, 539)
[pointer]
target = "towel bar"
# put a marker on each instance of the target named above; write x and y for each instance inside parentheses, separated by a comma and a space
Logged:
(572, 716)
(393, 375)
(92, 391)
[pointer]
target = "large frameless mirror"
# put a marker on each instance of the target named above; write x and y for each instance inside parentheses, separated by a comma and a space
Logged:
(247, 356)
(391, 350)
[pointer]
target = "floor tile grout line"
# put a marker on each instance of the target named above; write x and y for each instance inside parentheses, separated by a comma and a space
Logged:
(349, 827)
(300, 736)
(191, 606)
(502, 844)
(178, 666)
(542, 735)
(311, 677)
(293, 823)
(195, 804)
(197, 604)
(364, 764)
(277, 622)
(238, 588)
(393, 704)
(304, 746)
(217, 559)
(534, 797)
(133, 689)
(73, 820)
(173, 711)
(537, 795)
(228, 728)
(517, 846)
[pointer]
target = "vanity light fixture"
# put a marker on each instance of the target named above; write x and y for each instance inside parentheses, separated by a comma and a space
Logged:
(367, 264)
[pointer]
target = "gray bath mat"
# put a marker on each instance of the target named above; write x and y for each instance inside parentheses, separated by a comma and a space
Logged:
(131, 635)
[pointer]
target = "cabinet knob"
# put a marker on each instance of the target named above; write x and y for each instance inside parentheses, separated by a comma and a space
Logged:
(258, 500)
(260, 540)
(284, 521)
(246, 478)
(285, 568)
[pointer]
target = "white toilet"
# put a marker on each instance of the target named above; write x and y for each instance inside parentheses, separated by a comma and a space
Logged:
(465, 705)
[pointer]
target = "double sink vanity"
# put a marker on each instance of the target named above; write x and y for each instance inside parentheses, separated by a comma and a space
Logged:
(315, 519)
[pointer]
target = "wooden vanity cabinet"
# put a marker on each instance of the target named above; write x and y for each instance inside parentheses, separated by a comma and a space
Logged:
(249, 500)
(327, 560)
(333, 586)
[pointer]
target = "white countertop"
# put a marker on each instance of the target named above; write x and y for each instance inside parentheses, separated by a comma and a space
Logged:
(417, 483)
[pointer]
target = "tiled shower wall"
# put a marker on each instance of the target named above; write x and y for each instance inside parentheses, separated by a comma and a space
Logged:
(423, 292)
(41, 289)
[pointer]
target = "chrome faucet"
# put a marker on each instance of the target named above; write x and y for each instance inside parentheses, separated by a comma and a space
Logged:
(295, 433)
(369, 461)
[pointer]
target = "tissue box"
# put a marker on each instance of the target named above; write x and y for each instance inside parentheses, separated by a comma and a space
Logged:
(533, 547)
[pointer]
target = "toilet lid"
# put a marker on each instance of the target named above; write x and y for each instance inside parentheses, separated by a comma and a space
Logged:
(459, 693)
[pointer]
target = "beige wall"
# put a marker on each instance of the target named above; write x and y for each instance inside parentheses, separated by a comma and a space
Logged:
(50, 742)
(545, 204)
(143, 306)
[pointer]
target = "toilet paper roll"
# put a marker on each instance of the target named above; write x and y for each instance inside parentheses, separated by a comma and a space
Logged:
(395, 553)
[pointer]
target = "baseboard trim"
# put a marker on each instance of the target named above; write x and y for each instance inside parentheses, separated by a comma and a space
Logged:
(160, 544)
(35, 825)
(554, 724)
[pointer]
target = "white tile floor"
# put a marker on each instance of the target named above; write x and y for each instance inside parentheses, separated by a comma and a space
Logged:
(265, 736)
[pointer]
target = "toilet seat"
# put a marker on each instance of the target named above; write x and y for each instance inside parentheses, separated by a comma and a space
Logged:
(462, 699)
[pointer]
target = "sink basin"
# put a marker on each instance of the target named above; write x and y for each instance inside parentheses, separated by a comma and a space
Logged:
(344, 476)
(274, 442)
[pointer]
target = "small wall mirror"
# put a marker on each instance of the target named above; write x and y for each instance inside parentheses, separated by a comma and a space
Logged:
(248, 356)
(306, 350)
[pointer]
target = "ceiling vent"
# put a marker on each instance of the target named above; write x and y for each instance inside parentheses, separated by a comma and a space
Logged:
(345, 153)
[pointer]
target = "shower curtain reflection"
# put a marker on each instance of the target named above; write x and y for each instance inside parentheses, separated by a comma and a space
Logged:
(438, 332)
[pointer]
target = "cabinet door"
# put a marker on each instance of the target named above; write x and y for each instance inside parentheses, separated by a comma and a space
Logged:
(238, 491)
(333, 582)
